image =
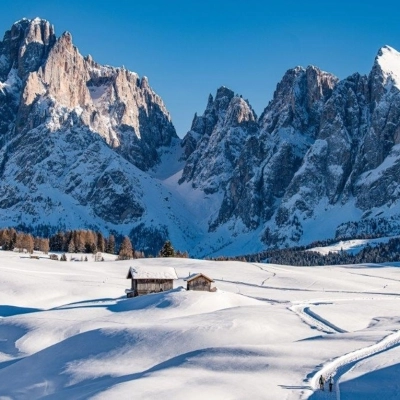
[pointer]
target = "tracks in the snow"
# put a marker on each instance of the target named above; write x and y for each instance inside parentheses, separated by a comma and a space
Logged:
(339, 366)
(313, 319)
(342, 364)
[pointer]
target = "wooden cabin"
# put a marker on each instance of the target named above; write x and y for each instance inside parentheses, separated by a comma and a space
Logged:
(151, 279)
(199, 282)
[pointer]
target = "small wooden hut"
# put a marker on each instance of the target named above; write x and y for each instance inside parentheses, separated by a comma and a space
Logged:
(199, 282)
(151, 279)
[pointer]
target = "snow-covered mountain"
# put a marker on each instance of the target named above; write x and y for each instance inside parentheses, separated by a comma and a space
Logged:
(321, 161)
(77, 138)
(88, 145)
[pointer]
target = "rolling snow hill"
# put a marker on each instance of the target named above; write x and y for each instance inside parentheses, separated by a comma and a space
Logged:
(67, 331)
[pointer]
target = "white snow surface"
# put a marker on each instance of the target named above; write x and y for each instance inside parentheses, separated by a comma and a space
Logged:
(389, 61)
(154, 272)
(68, 332)
(352, 246)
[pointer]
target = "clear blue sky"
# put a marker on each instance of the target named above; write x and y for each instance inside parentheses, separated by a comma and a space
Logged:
(188, 49)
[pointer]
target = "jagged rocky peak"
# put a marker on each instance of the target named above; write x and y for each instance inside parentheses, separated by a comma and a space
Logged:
(385, 73)
(319, 84)
(296, 98)
(223, 98)
(387, 62)
(65, 74)
(214, 144)
(56, 86)
(225, 110)
(25, 46)
(311, 81)
(215, 107)
(239, 112)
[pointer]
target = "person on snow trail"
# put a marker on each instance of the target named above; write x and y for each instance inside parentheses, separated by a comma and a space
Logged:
(321, 382)
(330, 383)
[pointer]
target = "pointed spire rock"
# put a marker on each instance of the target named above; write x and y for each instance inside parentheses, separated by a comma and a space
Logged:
(210, 102)
(25, 46)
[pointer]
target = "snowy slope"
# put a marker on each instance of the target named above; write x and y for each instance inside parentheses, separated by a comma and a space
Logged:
(67, 331)
(351, 246)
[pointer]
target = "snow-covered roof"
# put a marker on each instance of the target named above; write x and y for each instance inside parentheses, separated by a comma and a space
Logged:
(194, 276)
(151, 272)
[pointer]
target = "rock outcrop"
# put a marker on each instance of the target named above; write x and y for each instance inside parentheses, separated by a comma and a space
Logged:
(75, 136)
(324, 152)
(81, 145)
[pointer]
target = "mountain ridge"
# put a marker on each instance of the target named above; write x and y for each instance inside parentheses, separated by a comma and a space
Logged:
(87, 145)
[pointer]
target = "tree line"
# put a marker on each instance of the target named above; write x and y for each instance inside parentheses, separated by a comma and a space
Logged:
(301, 256)
(11, 239)
(79, 241)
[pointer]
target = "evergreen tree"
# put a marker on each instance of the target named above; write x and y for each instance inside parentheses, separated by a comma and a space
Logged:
(167, 250)
(56, 241)
(100, 242)
(111, 245)
(90, 242)
(13, 239)
(71, 247)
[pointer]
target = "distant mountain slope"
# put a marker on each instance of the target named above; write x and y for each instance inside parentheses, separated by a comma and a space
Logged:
(322, 157)
(88, 145)
(75, 136)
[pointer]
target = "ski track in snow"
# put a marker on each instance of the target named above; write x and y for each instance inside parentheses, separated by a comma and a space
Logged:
(342, 364)
(266, 270)
(314, 320)
(339, 366)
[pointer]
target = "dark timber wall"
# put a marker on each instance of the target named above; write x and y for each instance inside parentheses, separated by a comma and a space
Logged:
(145, 286)
(199, 283)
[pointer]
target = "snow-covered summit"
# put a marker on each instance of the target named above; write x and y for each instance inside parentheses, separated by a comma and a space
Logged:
(388, 60)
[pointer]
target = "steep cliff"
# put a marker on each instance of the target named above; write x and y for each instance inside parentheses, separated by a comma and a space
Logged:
(89, 145)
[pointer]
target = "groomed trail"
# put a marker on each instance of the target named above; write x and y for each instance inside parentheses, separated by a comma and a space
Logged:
(340, 365)
(314, 320)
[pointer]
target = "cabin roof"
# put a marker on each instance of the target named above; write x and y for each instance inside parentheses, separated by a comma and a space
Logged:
(195, 276)
(151, 272)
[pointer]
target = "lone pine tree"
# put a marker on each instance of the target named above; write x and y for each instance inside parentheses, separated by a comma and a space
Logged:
(167, 250)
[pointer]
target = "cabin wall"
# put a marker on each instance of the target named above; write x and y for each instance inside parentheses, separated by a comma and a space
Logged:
(199, 283)
(145, 286)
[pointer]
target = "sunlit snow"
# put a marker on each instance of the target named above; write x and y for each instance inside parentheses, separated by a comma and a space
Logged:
(389, 60)
(67, 331)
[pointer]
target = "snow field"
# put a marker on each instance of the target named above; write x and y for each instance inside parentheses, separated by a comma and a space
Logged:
(268, 332)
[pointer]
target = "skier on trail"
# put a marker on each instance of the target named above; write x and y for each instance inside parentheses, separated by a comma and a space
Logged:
(321, 382)
(330, 382)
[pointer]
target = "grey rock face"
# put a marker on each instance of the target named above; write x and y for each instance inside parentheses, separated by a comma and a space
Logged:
(58, 84)
(355, 130)
(320, 145)
(72, 132)
(80, 144)
(25, 47)
(217, 139)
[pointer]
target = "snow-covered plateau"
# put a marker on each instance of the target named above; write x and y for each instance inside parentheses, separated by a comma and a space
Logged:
(67, 331)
